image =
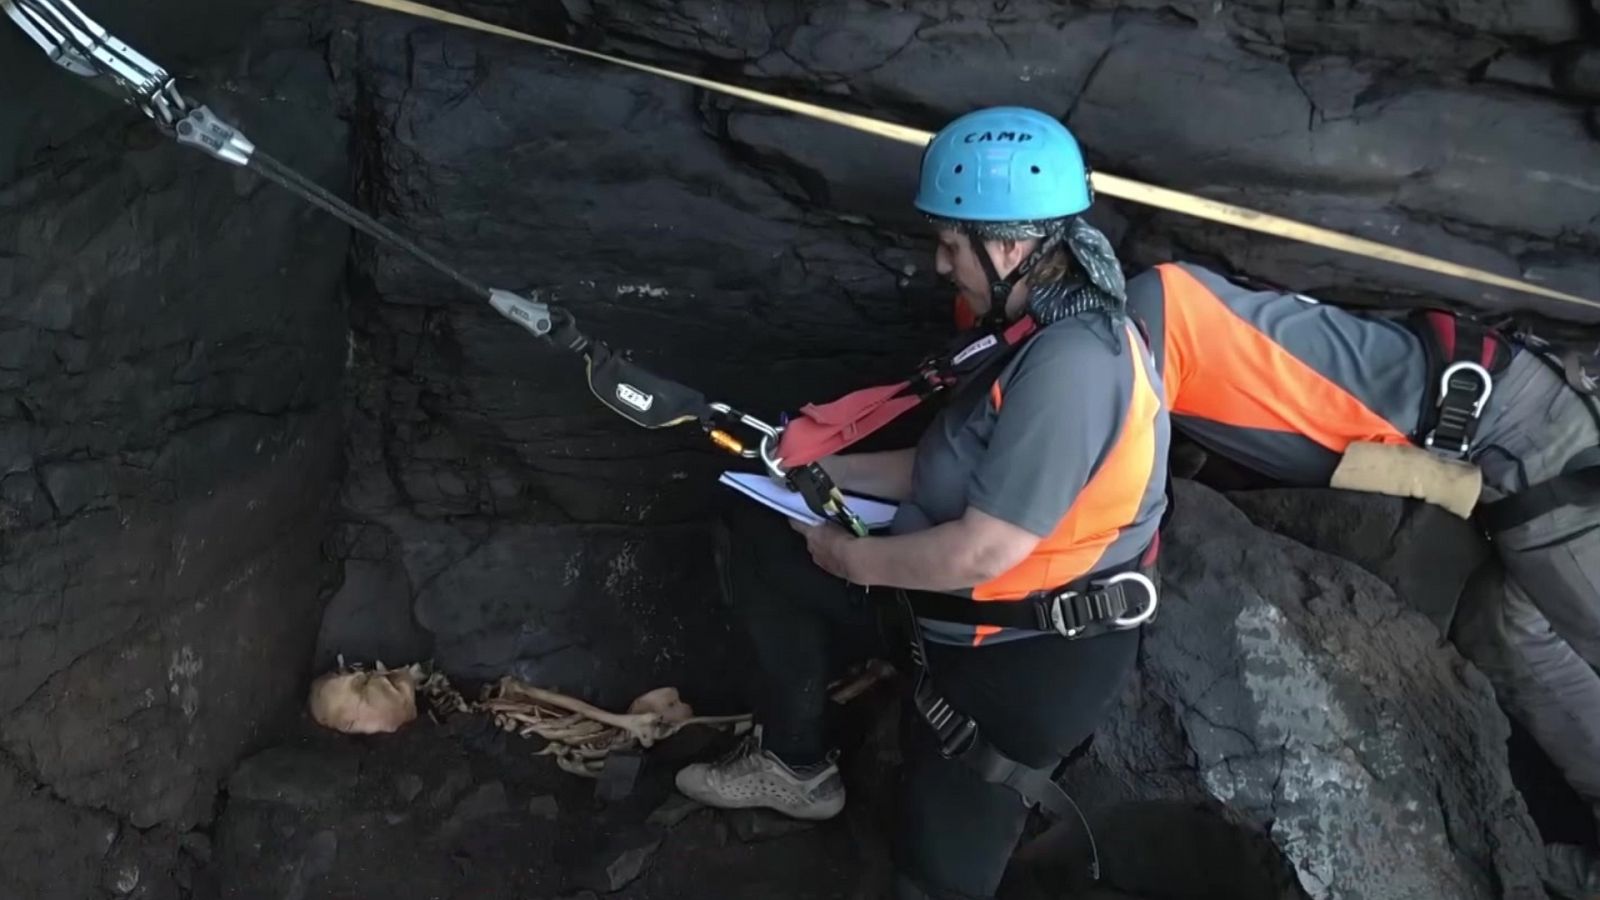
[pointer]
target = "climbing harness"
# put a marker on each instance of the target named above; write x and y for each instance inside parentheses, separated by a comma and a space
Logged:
(1118, 599)
(1087, 607)
(1109, 185)
(1463, 357)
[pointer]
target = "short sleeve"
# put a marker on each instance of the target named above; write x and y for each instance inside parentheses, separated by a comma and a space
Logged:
(1058, 409)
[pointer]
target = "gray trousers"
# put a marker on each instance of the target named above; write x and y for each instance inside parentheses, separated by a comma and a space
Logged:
(1537, 636)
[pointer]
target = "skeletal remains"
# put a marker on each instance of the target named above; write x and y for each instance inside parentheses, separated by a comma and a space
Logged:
(580, 736)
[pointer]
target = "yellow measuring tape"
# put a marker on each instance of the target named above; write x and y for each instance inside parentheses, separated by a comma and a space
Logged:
(1109, 185)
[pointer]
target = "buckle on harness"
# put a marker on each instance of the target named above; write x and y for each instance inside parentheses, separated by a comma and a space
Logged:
(955, 731)
(1458, 419)
(1068, 623)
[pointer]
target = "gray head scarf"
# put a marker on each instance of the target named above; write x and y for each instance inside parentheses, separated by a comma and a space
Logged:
(1103, 286)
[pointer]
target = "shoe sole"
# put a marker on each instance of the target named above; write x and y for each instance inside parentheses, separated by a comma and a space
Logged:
(716, 801)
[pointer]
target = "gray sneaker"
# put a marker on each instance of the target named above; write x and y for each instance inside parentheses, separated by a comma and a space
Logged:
(751, 777)
(1572, 872)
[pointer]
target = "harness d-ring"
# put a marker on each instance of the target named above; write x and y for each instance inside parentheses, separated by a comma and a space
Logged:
(1484, 378)
(1150, 608)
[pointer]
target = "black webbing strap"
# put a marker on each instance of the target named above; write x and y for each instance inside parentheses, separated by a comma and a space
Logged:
(1000, 288)
(1577, 485)
(1067, 612)
(957, 737)
(1576, 488)
(1082, 608)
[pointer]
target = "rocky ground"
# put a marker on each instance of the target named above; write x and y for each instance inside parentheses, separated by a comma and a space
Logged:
(1295, 731)
(442, 811)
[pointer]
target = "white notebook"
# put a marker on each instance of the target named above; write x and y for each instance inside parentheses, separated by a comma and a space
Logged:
(776, 496)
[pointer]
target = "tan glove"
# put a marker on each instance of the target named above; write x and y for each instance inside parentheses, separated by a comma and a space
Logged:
(1404, 470)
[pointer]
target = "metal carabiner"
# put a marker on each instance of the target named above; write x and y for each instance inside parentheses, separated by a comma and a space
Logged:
(769, 458)
(763, 450)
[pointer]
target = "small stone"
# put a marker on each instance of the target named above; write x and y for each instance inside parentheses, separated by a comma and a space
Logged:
(672, 813)
(618, 777)
(487, 800)
(620, 863)
(1524, 71)
(198, 846)
(455, 781)
(544, 806)
(321, 852)
(293, 776)
(409, 785)
(755, 825)
(630, 865)
(123, 879)
(1579, 74)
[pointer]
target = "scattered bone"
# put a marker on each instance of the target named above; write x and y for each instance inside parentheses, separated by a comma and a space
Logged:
(579, 735)
(861, 680)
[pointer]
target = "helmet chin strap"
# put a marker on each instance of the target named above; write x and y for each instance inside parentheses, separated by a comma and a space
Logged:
(1000, 288)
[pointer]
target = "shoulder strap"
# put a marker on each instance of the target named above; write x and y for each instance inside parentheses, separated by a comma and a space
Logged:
(823, 429)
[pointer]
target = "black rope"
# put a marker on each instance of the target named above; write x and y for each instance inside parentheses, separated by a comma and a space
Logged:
(315, 194)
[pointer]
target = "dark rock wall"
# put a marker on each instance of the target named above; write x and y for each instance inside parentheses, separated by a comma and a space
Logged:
(173, 348)
(1287, 698)
(769, 259)
(172, 342)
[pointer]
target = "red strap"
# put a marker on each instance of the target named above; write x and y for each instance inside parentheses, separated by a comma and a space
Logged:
(823, 430)
(963, 315)
(819, 431)
(1444, 326)
(1151, 553)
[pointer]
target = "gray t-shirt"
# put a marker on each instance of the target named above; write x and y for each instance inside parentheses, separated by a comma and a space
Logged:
(1068, 440)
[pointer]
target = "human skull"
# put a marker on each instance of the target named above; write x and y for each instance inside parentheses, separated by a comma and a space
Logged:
(365, 702)
(665, 703)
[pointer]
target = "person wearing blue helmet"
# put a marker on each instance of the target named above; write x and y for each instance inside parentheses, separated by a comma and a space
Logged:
(1018, 563)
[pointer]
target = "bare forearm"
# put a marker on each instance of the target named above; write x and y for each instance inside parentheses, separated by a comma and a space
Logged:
(886, 474)
(943, 558)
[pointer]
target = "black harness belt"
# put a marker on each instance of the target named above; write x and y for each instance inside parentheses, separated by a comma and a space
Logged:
(1079, 610)
(1110, 600)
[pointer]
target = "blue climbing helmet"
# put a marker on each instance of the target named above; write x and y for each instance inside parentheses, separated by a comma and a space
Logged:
(1004, 164)
(1012, 173)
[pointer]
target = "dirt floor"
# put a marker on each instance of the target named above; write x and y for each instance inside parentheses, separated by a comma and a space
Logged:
(460, 811)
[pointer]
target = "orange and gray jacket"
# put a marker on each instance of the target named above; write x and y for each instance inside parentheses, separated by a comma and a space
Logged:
(1276, 381)
(1067, 440)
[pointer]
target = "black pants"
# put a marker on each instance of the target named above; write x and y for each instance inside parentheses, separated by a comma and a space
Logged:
(1035, 699)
